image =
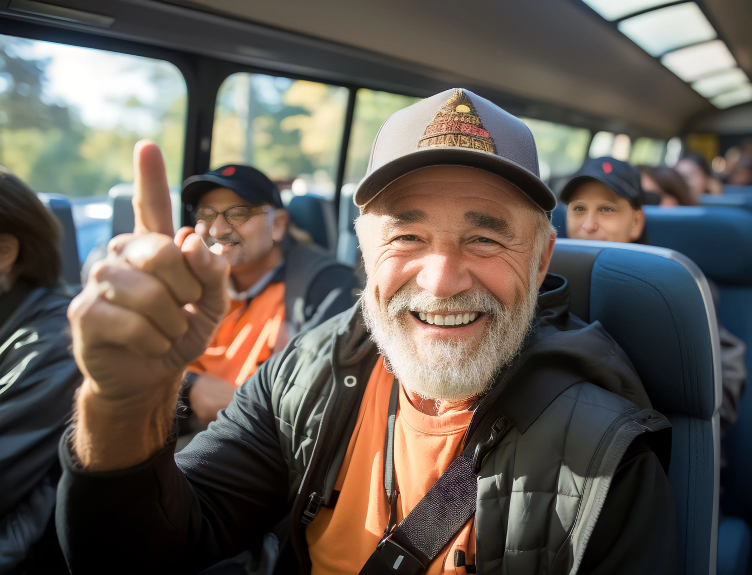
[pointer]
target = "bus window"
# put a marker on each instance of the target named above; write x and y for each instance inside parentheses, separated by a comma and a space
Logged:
(602, 144)
(371, 110)
(289, 129)
(561, 149)
(647, 151)
(70, 116)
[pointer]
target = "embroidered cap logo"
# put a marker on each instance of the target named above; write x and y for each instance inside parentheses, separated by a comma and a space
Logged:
(457, 125)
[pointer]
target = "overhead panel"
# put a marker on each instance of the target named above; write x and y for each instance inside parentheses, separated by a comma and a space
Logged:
(669, 28)
(684, 40)
(617, 9)
(721, 82)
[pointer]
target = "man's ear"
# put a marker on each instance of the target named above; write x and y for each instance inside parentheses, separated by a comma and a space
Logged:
(545, 260)
(9, 247)
(638, 225)
(279, 225)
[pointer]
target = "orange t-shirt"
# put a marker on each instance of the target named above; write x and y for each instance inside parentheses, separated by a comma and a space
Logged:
(246, 338)
(341, 540)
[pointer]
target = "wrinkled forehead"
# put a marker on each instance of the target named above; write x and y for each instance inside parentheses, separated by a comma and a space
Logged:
(441, 185)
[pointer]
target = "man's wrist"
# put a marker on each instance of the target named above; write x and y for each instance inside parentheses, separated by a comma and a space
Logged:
(115, 434)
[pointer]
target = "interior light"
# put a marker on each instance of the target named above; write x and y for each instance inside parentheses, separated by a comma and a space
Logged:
(738, 96)
(720, 83)
(694, 62)
(665, 29)
(615, 9)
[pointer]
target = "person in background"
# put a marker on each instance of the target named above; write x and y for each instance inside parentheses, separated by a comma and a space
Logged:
(695, 170)
(741, 174)
(38, 378)
(667, 184)
(278, 285)
(604, 202)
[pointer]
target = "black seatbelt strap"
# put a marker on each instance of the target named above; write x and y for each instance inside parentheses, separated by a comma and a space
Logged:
(409, 548)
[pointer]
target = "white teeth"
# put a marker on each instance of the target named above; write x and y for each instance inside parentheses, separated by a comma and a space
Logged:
(429, 318)
(438, 319)
(465, 318)
(422, 316)
(473, 316)
(458, 319)
(449, 320)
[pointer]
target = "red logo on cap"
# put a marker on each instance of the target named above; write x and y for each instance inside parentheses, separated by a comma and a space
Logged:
(607, 167)
(231, 170)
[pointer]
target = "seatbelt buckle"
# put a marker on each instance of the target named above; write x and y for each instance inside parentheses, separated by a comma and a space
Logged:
(391, 557)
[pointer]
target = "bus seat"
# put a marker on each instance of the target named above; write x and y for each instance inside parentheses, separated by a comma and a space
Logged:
(60, 206)
(315, 215)
(734, 542)
(348, 249)
(729, 189)
(123, 219)
(743, 201)
(559, 219)
(719, 240)
(657, 305)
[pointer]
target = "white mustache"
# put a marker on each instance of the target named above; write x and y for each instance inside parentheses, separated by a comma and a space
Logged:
(409, 299)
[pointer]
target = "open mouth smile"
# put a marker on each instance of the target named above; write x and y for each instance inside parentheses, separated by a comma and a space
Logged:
(448, 320)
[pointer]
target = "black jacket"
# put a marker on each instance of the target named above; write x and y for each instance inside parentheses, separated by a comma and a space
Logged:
(38, 377)
(283, 437)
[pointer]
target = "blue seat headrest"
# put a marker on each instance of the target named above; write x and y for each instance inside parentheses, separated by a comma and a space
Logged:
(61, 208)
(712, 237)
(743, 201)
(312, 214)
(656, 304)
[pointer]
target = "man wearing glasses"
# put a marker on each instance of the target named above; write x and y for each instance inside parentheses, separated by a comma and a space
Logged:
(278, 287)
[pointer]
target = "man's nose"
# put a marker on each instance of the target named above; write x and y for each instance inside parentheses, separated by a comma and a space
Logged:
(220, 227)
(444, 275)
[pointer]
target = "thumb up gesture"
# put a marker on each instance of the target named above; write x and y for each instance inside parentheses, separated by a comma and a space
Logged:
(148, 310)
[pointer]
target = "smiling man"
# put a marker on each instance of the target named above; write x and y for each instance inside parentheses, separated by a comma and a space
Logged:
(278, 287)
(457, 420)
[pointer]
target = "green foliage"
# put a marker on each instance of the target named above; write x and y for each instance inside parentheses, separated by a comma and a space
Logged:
(54, 151)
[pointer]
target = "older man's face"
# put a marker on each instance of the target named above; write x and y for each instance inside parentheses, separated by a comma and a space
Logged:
(453, 272)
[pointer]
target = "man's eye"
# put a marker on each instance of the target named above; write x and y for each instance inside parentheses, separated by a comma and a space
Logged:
(484, 241)
(407, 238)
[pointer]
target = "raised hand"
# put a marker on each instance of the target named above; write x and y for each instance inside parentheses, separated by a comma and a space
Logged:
(150, 308)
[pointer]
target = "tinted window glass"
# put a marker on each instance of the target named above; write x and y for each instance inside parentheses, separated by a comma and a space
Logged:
(289, 129)
(561, 149)
(69, 118)
(371, 110)
(647, 151)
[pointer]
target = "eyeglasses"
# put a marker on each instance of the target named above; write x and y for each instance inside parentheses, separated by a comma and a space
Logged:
(235, 216)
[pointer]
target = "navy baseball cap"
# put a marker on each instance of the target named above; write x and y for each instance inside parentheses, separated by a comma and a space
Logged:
(247, 182)
(455, 127)
(618, 176)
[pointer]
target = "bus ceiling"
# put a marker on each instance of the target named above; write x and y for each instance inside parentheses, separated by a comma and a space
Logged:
(555, 60)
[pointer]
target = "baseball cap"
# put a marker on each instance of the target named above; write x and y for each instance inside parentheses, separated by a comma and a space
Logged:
(455, 127)
(247, 182)
(618, 176)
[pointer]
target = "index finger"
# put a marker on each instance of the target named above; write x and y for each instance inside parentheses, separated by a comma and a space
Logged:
(151, 194)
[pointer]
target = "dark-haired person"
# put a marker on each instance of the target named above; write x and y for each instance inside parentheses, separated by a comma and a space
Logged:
(696, 171)
(38, 378)
(604, 202)
(668, 185)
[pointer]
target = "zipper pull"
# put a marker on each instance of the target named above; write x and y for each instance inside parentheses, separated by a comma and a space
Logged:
(484, 448)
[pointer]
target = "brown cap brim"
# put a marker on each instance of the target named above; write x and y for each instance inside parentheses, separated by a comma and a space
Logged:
(528, 183)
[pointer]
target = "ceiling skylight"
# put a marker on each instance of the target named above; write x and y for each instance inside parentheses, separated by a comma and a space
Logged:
(720, 83)
(665, 29)
(615, 9)
(697, 61)
(738, 96)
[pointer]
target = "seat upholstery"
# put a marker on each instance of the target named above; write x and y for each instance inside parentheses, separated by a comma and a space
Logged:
(348, 250)
(60, 206)
(315, 215)
(719, 240)
(729, 189)
(559, 219)
(743, 201)
(656, 304)
(734, 542)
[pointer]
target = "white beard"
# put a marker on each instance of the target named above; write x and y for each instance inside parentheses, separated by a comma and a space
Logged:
(448, 369)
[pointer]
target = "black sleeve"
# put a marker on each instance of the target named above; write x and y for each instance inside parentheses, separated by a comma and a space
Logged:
(332, 291)
(636, 531)
(38, 378)
(180, 514)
